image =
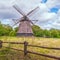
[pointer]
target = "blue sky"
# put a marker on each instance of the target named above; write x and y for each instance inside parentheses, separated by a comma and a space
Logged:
(54, 9)
(48, 14)
(44, 1)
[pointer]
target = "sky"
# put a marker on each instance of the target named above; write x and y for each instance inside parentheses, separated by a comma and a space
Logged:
(48, 13)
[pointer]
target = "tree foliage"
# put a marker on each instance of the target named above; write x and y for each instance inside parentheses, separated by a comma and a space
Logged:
(6, 30)
(37, 30)
(12, 33)
(53, 33)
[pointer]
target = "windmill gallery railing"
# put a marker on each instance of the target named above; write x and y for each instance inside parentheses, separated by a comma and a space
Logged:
(26, 45)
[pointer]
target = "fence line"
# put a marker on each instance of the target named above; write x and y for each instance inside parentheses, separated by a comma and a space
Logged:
(34, 45)
(45, 47)
(26, 51)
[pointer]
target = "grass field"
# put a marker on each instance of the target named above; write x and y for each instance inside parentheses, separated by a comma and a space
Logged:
(49, 42)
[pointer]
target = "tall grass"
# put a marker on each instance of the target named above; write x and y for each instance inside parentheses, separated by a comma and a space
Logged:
(49, 42)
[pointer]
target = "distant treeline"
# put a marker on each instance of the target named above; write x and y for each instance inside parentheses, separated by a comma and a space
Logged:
(52, 33)
(6, 30)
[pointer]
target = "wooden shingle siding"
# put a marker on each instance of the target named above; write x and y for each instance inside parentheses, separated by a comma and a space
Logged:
(25, 27)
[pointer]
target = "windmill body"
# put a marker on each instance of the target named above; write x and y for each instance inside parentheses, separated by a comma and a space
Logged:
(25, 28)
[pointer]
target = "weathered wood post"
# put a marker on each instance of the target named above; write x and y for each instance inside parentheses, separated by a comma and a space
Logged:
(0, 44)
(25, 48)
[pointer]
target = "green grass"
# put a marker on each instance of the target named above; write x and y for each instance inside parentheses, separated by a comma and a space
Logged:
(49, 42)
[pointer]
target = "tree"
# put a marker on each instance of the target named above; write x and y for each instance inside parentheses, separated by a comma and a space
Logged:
(16, 29)
(1, 29)
(12, 33)
(54, 33)
(5, 29)
(37, 31)
(47, 33)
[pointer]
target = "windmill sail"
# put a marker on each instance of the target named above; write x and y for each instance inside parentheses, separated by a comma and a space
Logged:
(19, 10)
(25, 27)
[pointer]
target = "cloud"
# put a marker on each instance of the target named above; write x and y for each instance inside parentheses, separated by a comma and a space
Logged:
(6, 3)
(47, 19)
(8, 13)
(53, 3)
(6, 10)
(47, 16)
(43, 7)
(43, 14)
(27, 5)
(52, 23)
(50, 19)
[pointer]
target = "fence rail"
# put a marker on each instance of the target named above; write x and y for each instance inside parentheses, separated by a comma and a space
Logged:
(26, 51)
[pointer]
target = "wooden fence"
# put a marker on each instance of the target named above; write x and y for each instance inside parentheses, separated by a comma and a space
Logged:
(26, 51)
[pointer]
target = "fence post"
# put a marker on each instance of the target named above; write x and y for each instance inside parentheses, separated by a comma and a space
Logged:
(25, 48)
(0, 44)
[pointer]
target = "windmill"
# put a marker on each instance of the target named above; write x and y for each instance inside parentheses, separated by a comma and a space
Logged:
(25, 24)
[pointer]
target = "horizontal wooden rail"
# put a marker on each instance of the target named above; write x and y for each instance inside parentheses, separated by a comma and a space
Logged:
(44, 47)
(44, 55)
(33, 45)
(13, 42)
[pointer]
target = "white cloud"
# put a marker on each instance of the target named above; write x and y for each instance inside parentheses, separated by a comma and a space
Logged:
(53, 22)
(6, 6)
(27, 5)
(43, 7)
(8, 13)
(47, 16)
(53, 3)
(6, 3)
